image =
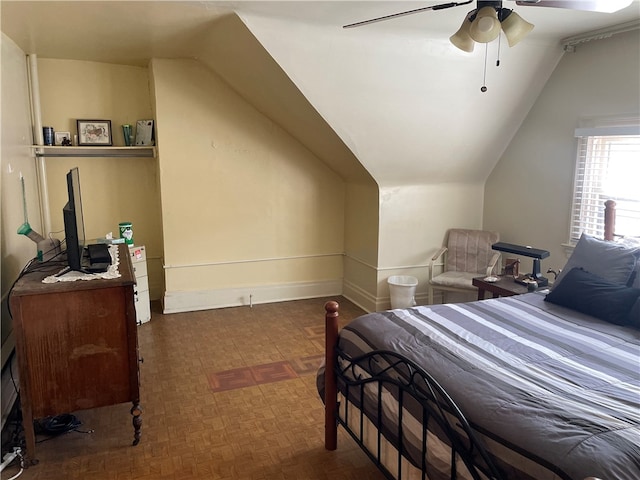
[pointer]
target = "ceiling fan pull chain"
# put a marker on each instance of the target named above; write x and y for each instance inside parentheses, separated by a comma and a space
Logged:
(499, 45)
(484, 77)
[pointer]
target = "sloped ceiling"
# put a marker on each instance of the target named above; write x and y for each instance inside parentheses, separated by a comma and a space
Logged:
(409, 106)
(404, 101)
(245, 65)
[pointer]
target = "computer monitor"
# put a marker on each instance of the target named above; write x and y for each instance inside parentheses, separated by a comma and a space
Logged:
(74, 222)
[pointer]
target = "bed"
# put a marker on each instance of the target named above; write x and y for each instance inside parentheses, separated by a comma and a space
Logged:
(536, 386)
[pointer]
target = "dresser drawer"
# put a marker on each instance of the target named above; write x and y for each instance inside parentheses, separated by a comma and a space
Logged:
(143, 306)
(138, 261)
(138, 254)
(142, 284)
(140, 270)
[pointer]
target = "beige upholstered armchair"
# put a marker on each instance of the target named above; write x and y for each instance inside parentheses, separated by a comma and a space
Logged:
(467, 254)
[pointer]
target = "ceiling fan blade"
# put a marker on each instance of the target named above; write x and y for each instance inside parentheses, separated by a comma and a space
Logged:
(605, 6)
(408, 12)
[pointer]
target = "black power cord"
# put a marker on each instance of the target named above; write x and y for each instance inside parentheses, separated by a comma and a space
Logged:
(57, 425)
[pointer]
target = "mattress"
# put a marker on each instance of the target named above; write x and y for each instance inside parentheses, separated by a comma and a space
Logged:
(555, 394)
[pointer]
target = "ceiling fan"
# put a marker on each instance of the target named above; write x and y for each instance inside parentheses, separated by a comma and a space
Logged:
(489, 18)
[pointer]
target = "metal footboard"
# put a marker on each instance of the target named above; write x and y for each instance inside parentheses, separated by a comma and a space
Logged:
(393, 408)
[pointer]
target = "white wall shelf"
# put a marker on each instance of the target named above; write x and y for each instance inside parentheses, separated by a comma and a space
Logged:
(59, 151)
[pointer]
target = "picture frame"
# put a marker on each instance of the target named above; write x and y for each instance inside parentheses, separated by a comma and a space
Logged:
(94, 133)
(144, 133)
(63, 139)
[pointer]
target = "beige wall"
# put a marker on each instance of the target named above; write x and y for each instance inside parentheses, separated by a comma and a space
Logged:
(114, 190)
(528, 194)
(413, 225)
(16, 161)
(273, 219)
(244, 205)
(251, 215)
(361, 243)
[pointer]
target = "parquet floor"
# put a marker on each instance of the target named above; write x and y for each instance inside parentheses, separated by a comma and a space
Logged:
(227, 394)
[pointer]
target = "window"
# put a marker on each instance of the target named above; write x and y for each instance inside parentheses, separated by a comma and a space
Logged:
(607, 167)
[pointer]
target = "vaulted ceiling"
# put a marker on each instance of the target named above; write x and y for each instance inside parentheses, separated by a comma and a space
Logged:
(394, 97)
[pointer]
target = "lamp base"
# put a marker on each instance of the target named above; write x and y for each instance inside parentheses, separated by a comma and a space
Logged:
(542, 281)
(529, 279)
(537, 276)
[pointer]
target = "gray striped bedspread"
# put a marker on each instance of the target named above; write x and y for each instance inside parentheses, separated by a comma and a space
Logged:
(551, 389)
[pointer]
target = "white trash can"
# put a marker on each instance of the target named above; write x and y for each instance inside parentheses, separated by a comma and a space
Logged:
(403, 290)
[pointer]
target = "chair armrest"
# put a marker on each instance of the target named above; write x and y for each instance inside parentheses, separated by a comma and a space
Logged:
(438, 254)
(492, 263)
(435, 257)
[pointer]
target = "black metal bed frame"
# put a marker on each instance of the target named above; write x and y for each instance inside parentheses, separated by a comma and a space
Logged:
(363, 380)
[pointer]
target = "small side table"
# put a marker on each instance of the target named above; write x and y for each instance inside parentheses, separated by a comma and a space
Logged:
(504, 287)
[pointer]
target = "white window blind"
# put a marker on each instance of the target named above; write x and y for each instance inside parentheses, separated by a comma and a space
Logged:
(607, 167)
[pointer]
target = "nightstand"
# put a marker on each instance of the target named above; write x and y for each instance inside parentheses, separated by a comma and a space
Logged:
(504, 287)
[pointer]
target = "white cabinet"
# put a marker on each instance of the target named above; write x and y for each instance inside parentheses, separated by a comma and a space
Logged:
(141, 293)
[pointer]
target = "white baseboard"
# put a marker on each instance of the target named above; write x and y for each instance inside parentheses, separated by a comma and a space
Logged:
(176, 302)
(362, 298)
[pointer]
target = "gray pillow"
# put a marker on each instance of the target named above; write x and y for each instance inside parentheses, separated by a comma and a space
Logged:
(634, 315)
(587, 293)
(633, 242)
(611, 261)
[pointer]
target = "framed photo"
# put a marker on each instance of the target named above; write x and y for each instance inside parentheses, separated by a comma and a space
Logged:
(144, 132)
(63, 138)
(94, 132)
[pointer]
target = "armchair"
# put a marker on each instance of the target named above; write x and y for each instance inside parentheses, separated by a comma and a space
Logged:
(467, 254)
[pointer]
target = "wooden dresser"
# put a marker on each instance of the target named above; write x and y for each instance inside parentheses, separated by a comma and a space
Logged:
(77, 345)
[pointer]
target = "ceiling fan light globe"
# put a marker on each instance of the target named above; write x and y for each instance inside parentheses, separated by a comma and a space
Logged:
(461, 38)
(463, 42)
(486, 26)
(515, 28)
